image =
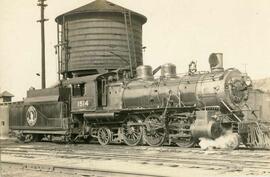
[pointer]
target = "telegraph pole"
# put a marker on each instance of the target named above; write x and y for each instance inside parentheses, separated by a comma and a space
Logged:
(42, 5)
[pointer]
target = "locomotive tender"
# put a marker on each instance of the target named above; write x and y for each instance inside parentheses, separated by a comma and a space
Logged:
(113, 107)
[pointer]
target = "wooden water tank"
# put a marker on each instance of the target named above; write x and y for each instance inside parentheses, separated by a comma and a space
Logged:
(100, 36)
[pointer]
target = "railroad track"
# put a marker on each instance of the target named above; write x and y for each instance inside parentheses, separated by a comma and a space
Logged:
(164, 151)
(195, 162)
(248, 161)
(121, 148)
(72, 170)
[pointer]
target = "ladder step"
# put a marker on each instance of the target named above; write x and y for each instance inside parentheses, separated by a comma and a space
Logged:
(130, 38)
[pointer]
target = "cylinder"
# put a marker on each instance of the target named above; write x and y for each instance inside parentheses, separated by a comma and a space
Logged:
(4, 121)
(168, 70)
(144, 72)
(208, 130)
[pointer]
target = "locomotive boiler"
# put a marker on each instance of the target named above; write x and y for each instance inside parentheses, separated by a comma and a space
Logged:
(203, 89)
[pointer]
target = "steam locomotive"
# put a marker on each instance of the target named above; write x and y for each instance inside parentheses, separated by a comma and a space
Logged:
(114, 107)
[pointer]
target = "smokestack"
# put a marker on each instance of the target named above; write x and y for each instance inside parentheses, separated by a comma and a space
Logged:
(42, 20)
(216, 62)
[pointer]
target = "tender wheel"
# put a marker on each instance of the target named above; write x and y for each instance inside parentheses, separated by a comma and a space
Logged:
(132, 133)
(154, 132)
(28, 138)
(104, 136)
(21, 138)
(37, 137)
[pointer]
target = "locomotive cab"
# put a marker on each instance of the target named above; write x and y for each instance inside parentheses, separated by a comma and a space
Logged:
(96, 92)
(83, 94)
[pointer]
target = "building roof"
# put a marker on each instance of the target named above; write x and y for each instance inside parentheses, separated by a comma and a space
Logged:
(99, 6)
(6, 94)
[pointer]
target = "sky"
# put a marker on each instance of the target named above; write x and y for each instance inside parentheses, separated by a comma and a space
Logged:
(177, 31)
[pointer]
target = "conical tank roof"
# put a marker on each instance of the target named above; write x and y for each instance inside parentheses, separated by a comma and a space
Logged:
(100, 6)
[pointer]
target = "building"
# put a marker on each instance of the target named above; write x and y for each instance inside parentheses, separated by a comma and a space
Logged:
(5, 97)
(260, 102)
(4, 121)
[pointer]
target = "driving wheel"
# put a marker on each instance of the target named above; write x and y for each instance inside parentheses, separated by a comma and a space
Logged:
(132, 130)
(154, 131)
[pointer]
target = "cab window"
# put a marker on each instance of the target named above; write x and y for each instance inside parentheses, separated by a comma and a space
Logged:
(78, 90)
